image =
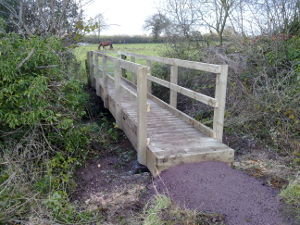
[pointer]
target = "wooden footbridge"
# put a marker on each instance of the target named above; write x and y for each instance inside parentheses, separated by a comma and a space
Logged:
(162, 135)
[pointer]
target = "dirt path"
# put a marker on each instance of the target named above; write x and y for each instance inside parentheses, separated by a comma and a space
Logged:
(215, 187)
(108, 185)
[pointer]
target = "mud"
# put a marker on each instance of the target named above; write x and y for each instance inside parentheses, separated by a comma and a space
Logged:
(109, 186)
(216, 187)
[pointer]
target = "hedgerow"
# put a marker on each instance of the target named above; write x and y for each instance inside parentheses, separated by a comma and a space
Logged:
(42, 136)
(263, 90)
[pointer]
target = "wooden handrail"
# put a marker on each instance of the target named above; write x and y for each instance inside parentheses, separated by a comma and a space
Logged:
(212, 68)
(218, 103)
(143, 82)
(141, 95)
(187, 92)
(130, 92)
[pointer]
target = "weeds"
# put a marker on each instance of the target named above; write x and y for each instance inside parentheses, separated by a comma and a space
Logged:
(162, 211)
(43, 138)
(262, 103)
(291, 195)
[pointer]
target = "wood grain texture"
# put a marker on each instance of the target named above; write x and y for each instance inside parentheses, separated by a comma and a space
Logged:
(177, 62)
(163, 136)
(173, 91)
(142, 114)
(221, 84)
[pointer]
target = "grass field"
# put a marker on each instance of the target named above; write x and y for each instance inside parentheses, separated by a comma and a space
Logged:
(144, 49)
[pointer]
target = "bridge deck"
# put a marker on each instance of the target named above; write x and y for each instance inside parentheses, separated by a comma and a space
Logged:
(172, 140)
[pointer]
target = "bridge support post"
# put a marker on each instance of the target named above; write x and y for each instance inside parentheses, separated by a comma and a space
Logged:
(149, 83)
(117, 75)
(92, 67)
(134, 76)
(97, 73)
(174, 80)
(123, 70)
(104, 81)
(87, 65)
(220, 95)
(142, 115)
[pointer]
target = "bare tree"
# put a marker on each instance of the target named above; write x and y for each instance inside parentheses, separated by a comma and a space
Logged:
(214, 14)
(100, 24)
(278, 14)
(43, 17)
(266, 17)
(181, 14)
(190, 16)
(157, 23)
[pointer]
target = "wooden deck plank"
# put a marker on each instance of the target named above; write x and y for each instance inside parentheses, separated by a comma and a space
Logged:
(172, 140)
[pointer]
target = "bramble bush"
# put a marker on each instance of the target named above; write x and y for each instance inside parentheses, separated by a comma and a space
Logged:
(263, 95)
(42, 136)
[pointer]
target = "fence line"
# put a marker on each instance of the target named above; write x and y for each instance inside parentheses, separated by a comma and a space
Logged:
(218, 102)
(119, 66)
(143, 80)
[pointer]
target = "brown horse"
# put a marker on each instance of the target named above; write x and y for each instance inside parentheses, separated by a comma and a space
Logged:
(104, 44)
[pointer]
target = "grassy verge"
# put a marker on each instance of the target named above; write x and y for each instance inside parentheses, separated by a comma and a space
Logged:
(144, 49)
(291, 195)
(160, 210)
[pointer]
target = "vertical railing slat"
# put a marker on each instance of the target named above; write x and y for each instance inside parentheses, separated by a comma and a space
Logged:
(97, 73)
(174, 80)
(123, 70)
(104, 81)
(149, 83)
(142, 115)
(88, 62)
(134, 76)
(220, 95)
(92, 75)
(117, 76)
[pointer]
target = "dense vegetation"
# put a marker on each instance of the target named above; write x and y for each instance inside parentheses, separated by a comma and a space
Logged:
(42, 134)
(48, 127)
(263, 88)
(263, 97)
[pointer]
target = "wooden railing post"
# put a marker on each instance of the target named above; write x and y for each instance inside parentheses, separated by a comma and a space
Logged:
(174, 80)
(142, 115)
(117, 75)
(123, 70)
(97, 64)
(88, 62)
(104, 81)
(92, 72)
(220, 95)
(149, 82)
(94, 63)
(134, 76)
(97, 73)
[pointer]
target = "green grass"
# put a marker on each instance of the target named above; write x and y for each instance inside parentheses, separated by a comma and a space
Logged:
(151, 49)
(153, 211)
(144, 49)
(291, 195)
(161, 210)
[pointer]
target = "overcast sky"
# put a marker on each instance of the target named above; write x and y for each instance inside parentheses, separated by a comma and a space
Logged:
(129, 15)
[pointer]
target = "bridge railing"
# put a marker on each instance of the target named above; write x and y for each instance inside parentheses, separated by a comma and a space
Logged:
(218, 102)
(141, 95)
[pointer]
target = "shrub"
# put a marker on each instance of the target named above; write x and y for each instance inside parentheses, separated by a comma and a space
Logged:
(291, 195)
(42, 138)
(263, 89)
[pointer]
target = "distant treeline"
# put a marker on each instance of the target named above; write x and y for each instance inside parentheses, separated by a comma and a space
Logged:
(120, 39)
